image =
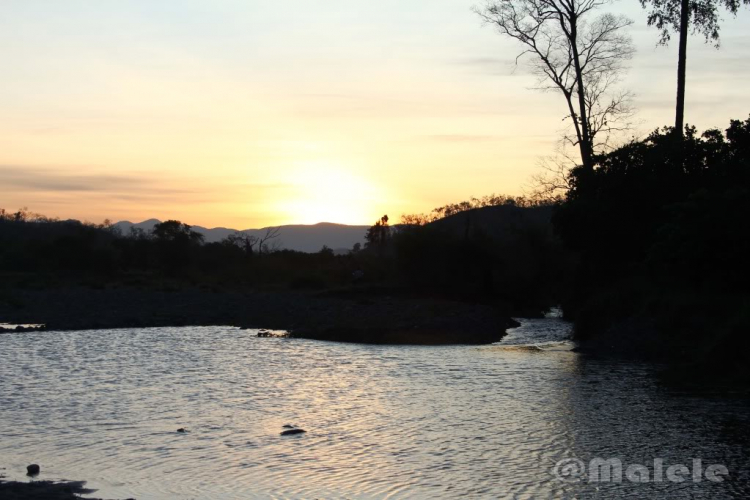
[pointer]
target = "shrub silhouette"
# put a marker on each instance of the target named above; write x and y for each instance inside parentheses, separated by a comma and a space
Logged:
(658, 222)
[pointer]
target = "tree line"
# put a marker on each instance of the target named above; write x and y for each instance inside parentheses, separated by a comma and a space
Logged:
(42, 250)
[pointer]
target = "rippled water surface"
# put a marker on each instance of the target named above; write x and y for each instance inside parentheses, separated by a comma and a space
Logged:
(382, 422)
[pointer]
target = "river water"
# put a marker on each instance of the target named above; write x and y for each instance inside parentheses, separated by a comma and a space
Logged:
(381, 421)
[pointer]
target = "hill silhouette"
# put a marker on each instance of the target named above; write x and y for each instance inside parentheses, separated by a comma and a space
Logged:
(298, 237)
(501, 222)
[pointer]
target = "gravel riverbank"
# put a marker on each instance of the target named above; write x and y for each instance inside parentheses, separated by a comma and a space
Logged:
(343, 316)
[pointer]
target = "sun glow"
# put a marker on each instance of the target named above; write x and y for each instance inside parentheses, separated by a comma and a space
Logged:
(327, 192)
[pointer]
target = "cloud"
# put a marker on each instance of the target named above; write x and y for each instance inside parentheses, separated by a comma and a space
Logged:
(41, 179)
(55, 186)
(360, 106)
(61, 185)
(482, 61)
(475, 138)
(505, 66)
(463, 138)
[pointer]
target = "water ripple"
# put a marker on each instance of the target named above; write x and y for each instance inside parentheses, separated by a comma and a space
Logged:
(382, 422)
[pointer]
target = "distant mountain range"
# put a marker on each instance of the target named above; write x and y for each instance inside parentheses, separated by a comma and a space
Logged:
(303, 238)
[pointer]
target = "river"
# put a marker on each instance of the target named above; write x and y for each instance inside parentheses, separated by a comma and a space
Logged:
(381, 421)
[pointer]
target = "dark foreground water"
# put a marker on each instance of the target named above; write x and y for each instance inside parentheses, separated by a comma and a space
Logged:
(382, 422)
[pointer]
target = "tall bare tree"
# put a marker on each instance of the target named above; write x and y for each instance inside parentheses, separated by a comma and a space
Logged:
(679, 15)
(577, 53)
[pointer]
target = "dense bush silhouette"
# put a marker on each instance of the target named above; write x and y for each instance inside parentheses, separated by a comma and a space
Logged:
(42, 245)
(662, 232)
(504, 252)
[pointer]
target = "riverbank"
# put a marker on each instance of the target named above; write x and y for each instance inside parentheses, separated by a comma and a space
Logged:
(381, 316)
(700, 338)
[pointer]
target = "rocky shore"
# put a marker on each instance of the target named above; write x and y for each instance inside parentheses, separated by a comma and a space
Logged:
(349, 316)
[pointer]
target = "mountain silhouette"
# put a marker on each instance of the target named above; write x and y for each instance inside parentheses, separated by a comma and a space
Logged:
(300, 237)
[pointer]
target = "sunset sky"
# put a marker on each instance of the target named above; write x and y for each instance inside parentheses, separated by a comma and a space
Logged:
(249, 113)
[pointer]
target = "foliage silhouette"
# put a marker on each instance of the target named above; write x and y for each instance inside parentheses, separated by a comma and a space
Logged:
(662, 232)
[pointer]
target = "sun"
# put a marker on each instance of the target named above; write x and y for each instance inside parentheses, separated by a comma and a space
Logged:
(327, 192)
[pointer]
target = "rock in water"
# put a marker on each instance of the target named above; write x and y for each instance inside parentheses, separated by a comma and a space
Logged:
(288, 426)
(292, 432)
(181, 430)
(32, 470)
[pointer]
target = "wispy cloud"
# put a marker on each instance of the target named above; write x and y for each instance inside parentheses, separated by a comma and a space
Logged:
(463, 138)
(44, 179)
(492, 65)
(61, 183)
(83, 193)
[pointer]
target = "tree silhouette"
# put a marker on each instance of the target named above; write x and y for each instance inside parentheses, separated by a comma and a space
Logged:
(377, 236)
(174, 230)
(176, 243)
(270, 234)
(678, 15)
(577, 54)
(243, 241)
